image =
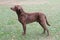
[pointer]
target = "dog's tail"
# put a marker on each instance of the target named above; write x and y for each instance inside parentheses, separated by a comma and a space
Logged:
(47, 22)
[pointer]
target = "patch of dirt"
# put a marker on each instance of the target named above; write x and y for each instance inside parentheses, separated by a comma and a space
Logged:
(14, 2)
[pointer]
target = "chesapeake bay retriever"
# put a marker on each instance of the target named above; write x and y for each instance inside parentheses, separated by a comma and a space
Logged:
(26, 18)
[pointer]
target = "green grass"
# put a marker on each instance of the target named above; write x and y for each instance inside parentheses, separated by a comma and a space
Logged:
(11, 29)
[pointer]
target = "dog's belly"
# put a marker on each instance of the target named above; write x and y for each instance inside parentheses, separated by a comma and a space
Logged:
(30, 19)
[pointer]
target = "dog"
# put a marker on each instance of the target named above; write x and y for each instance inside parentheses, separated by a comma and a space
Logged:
(26, 18)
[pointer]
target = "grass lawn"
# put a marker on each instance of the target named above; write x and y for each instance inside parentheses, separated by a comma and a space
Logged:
(11, 29)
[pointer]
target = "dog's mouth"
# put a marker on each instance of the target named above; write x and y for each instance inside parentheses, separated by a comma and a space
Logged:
(12, 9)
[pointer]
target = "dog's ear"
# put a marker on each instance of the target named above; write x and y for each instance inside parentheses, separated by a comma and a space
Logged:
(20, 9)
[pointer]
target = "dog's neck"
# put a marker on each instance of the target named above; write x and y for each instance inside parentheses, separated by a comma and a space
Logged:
(19, 12)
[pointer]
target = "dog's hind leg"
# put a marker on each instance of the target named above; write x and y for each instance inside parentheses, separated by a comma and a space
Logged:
(42, 22)
(43, 28)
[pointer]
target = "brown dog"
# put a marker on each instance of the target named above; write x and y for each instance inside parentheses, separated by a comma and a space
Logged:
(25, 18)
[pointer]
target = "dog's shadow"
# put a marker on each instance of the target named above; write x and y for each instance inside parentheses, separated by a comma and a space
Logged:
(36, 36)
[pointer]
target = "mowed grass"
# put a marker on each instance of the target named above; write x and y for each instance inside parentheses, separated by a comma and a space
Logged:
(11, 29)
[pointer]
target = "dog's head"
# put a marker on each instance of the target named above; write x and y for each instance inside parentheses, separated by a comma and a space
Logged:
(17, 8)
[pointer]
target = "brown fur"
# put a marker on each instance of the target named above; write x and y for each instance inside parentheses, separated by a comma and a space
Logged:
(25, 18)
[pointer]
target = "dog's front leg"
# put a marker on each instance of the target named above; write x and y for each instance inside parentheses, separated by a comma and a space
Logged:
(24, 28)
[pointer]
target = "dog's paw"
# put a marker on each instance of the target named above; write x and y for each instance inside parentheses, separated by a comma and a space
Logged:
(23, 33)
